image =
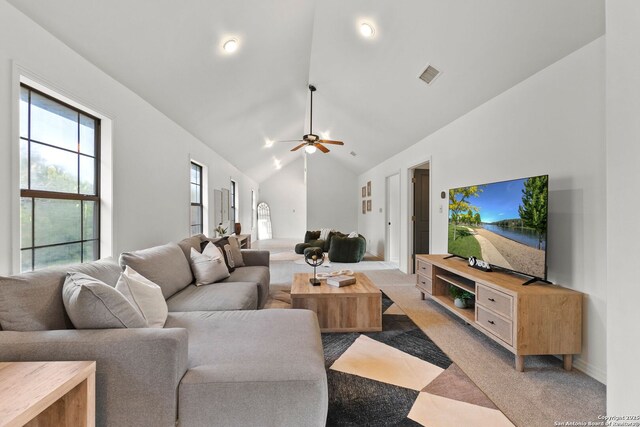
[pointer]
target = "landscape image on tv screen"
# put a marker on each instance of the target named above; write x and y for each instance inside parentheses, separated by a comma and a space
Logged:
(503, 223)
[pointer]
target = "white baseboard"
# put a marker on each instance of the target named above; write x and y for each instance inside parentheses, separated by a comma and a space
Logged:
(588, 369)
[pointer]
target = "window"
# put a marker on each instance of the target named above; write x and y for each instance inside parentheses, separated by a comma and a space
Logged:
(234, 202)
(59, 182)
(196, 199)
(253, 209)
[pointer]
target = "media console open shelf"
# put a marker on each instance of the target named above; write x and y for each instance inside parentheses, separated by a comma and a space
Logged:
(526, 320)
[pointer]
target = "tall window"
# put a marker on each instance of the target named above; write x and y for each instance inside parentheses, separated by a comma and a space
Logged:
(196, 199)
(59, 182)
(234, 202)
(253, 209)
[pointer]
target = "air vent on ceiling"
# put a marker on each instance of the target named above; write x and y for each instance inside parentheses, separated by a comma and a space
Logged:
(429, 74)
(353, 153)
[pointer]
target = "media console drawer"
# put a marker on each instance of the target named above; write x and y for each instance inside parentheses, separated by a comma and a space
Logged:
(424, 283)
(424, 272)
(423, 268)
(495, 300)
(495, 324)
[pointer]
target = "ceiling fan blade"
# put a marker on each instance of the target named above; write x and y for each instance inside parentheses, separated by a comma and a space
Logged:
(328, 141)
(299, 146)
(321, 147)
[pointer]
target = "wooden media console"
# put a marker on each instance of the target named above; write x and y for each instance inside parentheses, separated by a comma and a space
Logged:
(526, 320)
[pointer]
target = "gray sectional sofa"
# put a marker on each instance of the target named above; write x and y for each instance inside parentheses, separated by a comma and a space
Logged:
(217, 361)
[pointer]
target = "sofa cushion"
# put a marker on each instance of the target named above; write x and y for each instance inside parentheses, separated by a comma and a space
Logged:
(208, 266)
(164, 265)
(215, 297)
(252, 359)
(300, 247)
(92, 304)
(191, 242)
(259, 275)
(144, 295)
(311, 235)
(33, 301)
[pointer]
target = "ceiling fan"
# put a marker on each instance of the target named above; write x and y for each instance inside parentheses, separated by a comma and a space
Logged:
(311, 141)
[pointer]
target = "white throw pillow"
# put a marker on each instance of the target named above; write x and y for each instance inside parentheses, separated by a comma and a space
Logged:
(324, 233)
(208, 266)
(145, 296)
(353, 234)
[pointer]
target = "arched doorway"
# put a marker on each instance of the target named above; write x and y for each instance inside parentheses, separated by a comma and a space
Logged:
(264, 221)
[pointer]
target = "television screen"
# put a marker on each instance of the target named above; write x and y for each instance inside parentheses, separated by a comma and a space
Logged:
(503, 223)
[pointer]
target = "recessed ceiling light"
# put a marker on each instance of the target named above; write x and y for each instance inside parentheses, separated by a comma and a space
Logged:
(310, 149)
(230, 45)
(277, 163)
(268, 143)
(367, 30)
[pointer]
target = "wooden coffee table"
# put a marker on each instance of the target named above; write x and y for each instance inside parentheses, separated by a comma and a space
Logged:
(353, 308)
(47, 394)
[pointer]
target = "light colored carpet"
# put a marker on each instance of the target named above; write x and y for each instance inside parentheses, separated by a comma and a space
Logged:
(540, 396)
(286, 256)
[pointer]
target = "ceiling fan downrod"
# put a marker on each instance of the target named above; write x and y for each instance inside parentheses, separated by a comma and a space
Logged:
(312, 88)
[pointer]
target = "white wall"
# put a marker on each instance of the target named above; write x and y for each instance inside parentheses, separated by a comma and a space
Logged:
(286, 194)
(332, 196)
(552, 123)
(151, 154)
(623, 204)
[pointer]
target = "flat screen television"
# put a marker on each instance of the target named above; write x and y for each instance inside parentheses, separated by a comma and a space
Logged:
(502, 223)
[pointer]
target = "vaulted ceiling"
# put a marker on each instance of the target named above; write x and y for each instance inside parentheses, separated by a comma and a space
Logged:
(369, 95)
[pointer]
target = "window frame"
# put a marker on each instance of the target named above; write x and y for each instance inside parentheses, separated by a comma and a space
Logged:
(233, 201)
(200, 170)
(28, 193)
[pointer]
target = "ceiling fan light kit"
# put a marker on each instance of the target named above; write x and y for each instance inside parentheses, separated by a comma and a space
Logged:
(312, 142)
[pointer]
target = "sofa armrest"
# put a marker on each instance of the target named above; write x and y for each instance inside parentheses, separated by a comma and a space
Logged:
(253, 257)
(137, 370)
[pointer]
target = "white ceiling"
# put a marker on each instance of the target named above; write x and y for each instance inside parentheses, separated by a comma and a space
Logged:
(369, 96)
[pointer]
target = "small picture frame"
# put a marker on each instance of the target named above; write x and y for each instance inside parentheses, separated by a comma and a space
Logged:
(369, 205)
(369, 189)
(364, 206)
(364, 191)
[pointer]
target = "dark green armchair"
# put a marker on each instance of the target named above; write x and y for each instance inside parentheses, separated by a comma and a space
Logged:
(346, 249)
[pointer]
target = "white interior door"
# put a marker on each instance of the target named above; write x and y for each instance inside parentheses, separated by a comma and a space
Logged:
(392, 247)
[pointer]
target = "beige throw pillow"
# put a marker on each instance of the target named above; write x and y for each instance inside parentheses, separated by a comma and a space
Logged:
(92, 304)
(236, 252)
(145, 296)
(208, 266)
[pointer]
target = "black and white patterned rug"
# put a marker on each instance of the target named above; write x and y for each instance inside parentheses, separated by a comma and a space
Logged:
(399, 377)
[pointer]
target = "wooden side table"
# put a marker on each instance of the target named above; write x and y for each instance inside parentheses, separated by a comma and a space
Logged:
(47, 394)
(245, 241)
